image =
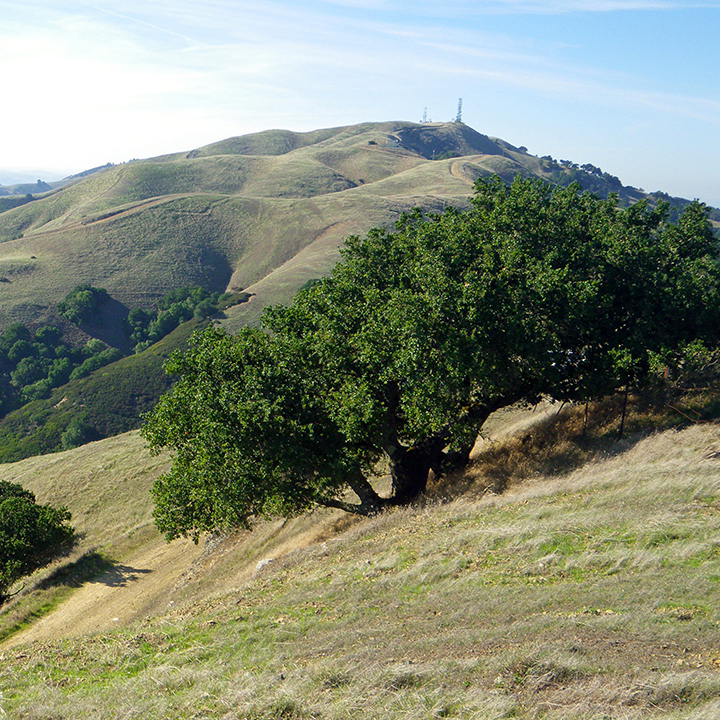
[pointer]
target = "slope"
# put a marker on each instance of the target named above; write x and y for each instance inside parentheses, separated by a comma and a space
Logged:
(229, 214)
(590, 593)
(214, 217)
(107, 402)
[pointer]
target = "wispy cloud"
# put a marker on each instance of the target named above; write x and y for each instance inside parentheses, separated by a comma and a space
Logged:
(107, 79)
(549, 7)
(561, 6)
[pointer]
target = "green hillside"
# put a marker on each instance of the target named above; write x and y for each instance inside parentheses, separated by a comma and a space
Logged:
(586, 592)
(240, 211)
(107, 402)
(265, 212)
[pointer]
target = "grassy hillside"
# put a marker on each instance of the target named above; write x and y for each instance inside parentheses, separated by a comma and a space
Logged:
(265, 212)
(107, 402)
(229, 214)
(589, 592)
(205, 217)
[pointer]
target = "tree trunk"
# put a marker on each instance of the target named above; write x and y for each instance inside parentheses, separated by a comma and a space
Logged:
(410, 468)
(370, 502)
(624, 413)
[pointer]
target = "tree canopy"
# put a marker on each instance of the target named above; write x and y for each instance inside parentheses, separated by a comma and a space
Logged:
(82, 303)
(31, 535)
(416, 337)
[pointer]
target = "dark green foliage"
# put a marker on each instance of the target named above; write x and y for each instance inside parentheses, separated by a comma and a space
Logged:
(416, 337)
(48, 335)
(589, 177)
(235, 456)
(82, 303)
(95, 362)
(13, 333)
(77, 433)
(31, 535)
(108, 401)
(32, 365)
(136, 325)
(144, 328)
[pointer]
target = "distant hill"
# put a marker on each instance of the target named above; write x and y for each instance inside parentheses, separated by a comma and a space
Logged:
(9, 179)
(265, 211)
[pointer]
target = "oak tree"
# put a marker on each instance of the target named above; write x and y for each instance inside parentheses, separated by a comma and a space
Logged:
(416, 337)
(31, 535)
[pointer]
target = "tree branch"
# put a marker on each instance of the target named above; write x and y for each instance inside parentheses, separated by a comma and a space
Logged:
(370, 502)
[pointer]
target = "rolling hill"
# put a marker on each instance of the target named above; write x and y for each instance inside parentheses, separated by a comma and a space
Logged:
(264, 212)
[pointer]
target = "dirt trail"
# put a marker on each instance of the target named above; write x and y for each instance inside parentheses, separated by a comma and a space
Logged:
(127, 592)
(459, 168)
(160, 577)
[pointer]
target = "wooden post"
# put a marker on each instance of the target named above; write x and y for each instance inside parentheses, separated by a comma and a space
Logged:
(624, 412)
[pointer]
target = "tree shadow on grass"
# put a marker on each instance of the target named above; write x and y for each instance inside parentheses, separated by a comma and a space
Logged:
(32, 602)
(553, 447)
(92, 567)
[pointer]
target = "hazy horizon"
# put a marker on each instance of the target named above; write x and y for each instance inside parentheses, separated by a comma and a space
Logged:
(631, 86)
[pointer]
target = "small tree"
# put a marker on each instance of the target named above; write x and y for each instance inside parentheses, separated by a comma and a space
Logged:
(82, 303)
(416, 337)
(31, 535)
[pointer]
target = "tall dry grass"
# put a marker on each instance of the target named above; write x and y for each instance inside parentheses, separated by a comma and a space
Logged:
(589, 592)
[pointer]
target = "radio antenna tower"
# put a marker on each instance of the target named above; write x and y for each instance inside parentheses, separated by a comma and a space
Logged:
(458, 119)
(425, 116)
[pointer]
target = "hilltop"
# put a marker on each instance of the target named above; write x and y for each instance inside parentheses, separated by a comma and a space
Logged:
(264, 212)
(227, 215)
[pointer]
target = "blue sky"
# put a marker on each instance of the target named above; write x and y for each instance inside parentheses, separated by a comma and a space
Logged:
(630, 85)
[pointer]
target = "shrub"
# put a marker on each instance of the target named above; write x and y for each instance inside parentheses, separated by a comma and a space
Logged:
(82, 303)
(31, 535)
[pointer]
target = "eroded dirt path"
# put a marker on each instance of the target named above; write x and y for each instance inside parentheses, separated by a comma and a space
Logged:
(161, 577)
(128, 592)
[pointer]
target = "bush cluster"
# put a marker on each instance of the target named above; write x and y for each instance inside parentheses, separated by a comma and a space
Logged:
(38, 371)
(82, 303)
(144, 328)
(33, 364)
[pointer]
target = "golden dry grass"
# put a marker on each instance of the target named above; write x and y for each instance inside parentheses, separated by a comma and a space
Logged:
(221, 217)
(232, 213)
(591, 592)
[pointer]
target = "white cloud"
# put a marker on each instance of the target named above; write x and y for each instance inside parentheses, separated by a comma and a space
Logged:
(439, 8)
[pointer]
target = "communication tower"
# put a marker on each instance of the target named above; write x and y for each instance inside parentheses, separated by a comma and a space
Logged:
(458, 118)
